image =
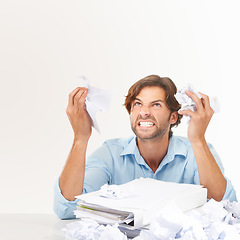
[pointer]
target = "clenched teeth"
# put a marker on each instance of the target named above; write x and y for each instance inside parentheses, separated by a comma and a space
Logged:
(146, 124)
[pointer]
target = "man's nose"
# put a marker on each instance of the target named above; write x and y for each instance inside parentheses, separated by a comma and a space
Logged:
(144, 111)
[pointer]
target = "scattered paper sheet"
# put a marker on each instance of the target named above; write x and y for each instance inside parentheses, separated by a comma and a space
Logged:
(97, 100)
(188, 103)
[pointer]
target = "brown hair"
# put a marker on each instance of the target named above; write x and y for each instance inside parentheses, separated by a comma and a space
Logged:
(155, 81)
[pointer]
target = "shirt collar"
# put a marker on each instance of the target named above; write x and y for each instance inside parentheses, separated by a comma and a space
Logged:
(174, 148)
(132, 149)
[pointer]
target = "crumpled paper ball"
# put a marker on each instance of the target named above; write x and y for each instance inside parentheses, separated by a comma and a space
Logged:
(187, 103)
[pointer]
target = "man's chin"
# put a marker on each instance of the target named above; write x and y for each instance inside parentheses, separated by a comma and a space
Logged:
(145, 136)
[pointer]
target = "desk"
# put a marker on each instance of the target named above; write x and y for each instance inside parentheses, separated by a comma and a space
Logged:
(35, 227)
(32, 227)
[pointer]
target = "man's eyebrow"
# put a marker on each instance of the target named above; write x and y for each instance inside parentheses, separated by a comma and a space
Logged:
(137, 99)
(158, 100)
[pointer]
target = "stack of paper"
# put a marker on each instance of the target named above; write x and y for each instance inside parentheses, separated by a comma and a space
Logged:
(140, 199)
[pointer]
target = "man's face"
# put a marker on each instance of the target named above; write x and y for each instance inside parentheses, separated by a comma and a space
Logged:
(150, 116)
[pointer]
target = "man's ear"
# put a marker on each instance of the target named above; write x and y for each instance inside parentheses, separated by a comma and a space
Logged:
(174, 117)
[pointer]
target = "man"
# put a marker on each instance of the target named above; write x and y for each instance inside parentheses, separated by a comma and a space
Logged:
(153, 152)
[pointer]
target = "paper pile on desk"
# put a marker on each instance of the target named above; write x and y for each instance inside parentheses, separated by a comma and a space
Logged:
(139, 200)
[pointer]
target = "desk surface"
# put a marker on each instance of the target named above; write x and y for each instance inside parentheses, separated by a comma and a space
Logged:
(32, 227)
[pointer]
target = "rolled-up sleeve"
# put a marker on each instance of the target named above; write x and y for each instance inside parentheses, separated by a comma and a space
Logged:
(96, 174)
(62, 207)
(230, 192)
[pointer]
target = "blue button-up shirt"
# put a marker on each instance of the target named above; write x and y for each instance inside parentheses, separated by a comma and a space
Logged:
(119, 161)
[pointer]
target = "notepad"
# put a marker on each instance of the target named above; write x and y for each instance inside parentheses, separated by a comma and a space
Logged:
(144, 197)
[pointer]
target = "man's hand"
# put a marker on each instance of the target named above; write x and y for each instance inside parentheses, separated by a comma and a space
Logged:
(77, 114)
(199, 119)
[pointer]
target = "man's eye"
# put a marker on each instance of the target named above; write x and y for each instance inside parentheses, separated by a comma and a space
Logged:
(157, 105)
(137, 104)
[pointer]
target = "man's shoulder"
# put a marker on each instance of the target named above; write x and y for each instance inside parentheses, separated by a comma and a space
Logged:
(181, 139)
(181, 142)
(119, 142)
(185, 141)
(180, 146)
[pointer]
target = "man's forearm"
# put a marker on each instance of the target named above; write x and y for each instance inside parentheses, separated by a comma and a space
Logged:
(72, 177)
(210, 174)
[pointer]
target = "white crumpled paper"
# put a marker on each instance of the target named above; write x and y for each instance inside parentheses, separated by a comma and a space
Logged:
(87, 229)
(97, 100)
(112, 191)
(188, 103)
(233, 207)
(171, 223)
(215, 221)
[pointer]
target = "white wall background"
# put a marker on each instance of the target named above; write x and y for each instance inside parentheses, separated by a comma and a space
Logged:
(45, 45)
